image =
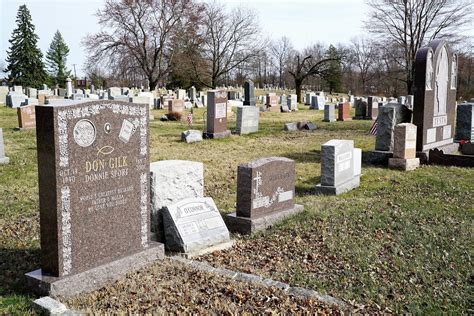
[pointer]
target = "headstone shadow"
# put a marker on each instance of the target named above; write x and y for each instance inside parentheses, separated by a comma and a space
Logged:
(14, 263)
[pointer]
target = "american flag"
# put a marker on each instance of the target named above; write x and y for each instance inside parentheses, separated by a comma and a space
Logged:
(190, 119)
(373, 129)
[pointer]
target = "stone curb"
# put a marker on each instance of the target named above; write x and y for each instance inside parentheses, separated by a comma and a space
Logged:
(50, 306)
(255, 279)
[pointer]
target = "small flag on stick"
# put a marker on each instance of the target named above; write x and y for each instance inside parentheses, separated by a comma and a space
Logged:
(373, 129)
(190, 119)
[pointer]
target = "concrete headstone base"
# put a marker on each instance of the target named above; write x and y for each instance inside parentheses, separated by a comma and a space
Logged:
(217, 135)
(404, 164)
(342, 188)
(200, 252)
(247, 226)
(4, 161)
(376, 157)
(94, 278)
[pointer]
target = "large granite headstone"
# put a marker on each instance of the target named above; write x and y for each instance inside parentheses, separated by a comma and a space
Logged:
(26, 117)
(372, 107)
(93, 168)
(265, 194)
(247, 119)
(194, 226)
(171, 182)
(340, 167)
(217, 114)
(435, 96)
(465, 122)
(3, 159)
(249, 93)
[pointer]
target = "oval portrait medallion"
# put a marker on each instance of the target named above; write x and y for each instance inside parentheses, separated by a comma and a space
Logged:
(84, 133)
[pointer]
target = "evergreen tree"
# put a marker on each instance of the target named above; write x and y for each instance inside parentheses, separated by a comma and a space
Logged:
(333, 74)
(24, 57)
(56, 57)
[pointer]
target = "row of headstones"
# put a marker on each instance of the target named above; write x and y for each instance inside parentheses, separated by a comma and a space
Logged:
(100, 210)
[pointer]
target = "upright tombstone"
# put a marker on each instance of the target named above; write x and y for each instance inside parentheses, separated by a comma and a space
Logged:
(372, 107)
(309, 98)
(344, 112)
(389, 116)
(94, 193)
(292, 102)
(340, 167)
(435, 97)
(3, 159)
(26, 117)
(360, 109)
(68, 87)
(265, 194)
(194, 226)
(216, 114)
(3, 94)
(192, 94)
(171, 182)
(465, 122)
(247, 119)
(176, 105)
(329, 113)
(249, 93)
(272, 102)
(404, 149)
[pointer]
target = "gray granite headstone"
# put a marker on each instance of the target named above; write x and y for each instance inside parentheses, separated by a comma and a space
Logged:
(390, 115)
(329, 113)
(3, 159)
(247, 119)
(340, 167)
(173, 181)
(193, 225)
(465, 122)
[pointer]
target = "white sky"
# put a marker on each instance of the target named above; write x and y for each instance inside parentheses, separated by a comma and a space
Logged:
(303, 21)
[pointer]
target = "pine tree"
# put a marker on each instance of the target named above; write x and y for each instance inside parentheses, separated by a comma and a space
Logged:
(56, 58)
(24, 58)
(333, 74)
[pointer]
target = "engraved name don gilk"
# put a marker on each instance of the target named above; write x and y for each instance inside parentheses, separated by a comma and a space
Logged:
(106, 168)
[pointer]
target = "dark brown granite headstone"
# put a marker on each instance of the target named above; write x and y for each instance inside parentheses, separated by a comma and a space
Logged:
(264, 186)
(93, 167)
(217, 114)
(435, 95)
(26, 117)
(265, 195)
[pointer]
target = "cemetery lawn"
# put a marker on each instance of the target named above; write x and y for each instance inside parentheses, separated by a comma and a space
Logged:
(401, 242)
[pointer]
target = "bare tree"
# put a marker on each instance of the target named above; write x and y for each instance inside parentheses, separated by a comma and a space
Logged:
(363, 54)
(231, 39)
(140, 31)
(310, 62)
(412, 23)
(281, 51)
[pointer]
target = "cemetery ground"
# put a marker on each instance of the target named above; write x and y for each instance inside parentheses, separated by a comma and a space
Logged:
(401, 242)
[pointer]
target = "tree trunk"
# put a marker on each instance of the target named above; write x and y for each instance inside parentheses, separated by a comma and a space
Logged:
(298, 84)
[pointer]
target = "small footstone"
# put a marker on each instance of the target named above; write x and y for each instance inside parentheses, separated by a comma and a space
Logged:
(290, 127)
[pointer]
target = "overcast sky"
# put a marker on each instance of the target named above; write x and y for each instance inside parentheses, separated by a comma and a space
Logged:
(303, 21)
